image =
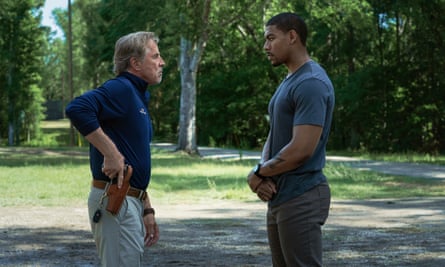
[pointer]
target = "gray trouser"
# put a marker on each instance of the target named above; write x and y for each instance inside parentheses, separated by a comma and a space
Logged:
(119, 239)
(294, 228)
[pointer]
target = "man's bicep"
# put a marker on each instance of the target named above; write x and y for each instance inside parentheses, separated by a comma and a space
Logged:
(305, 138)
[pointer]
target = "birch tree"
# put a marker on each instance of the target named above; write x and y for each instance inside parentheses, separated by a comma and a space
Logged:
(192, 45)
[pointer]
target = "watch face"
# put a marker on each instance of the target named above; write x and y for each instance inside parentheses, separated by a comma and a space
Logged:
(256, 168)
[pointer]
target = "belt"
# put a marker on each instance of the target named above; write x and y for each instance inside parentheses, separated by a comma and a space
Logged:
(132, 192)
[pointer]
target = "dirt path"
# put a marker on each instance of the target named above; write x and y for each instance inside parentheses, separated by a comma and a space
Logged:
(401, 232)
(409, 232)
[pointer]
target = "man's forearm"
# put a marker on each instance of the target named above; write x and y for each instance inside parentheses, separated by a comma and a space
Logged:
(304, 141)
(147, 203)
(103, 143)
(114, 161)
(282, 162)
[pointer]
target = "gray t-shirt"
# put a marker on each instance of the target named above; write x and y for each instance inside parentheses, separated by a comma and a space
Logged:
(304, 98)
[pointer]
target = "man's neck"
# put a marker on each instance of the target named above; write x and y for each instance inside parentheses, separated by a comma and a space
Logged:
(297, 63)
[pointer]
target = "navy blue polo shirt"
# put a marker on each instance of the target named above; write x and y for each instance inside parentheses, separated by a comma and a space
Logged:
(119, 107)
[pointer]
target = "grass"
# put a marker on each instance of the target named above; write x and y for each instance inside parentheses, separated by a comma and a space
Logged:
(412, 157)
(348, 183)
(409, 157)
(60, 176)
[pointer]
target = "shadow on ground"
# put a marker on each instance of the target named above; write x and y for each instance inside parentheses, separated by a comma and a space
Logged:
(392, 232)
(21, 246)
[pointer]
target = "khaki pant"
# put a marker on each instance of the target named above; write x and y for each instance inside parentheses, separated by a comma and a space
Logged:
(119, 239)
(294, 228)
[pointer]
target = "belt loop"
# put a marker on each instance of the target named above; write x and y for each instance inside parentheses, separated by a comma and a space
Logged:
(141, 193)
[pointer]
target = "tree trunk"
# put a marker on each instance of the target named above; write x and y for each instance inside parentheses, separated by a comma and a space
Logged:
(187, 112)
(11, 108)
(190, 55)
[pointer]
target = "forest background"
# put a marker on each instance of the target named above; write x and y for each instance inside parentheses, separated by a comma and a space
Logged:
(386, 59)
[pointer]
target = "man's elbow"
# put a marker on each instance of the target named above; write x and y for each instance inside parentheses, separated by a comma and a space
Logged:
(69, 111)
(303, 156)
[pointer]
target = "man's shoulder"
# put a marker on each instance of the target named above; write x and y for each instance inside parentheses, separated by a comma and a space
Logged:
(116, 83)
(315, 75)
(313, 70)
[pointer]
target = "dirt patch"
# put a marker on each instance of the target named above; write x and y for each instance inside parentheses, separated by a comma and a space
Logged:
(408, 232)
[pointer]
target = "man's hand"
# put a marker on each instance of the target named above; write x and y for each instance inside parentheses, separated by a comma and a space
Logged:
(266, 190)
(151, 230)
(114, 168)
(253, 181)
(114, 161)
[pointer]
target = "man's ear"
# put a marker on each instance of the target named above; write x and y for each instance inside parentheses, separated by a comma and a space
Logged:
(293, 36)
(134, 63)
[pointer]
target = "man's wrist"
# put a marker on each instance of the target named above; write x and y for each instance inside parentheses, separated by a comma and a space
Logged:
(257, 170)
(149, 211)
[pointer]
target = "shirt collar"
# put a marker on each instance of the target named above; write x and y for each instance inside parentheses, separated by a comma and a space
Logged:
(138, 82)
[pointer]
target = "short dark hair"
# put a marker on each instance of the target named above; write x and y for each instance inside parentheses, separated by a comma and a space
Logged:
(290, 21)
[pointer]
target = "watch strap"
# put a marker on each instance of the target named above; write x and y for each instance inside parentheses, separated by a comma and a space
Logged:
(257, 172)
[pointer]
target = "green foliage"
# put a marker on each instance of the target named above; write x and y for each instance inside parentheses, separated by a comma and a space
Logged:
(232, 98)
(233, 110)
(385, 58)
(21, 57)
(54, 134)
(384, 73)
